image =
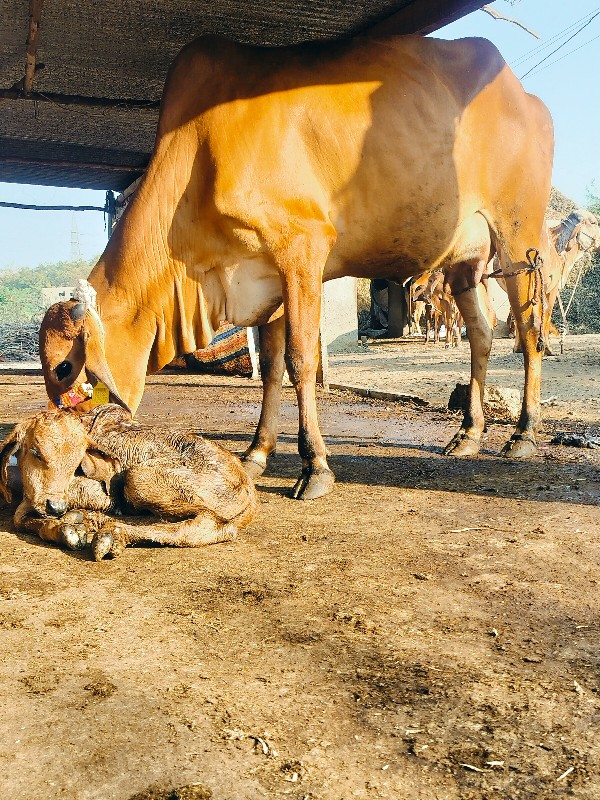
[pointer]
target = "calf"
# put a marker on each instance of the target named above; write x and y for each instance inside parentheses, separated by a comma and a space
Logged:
(78, 470)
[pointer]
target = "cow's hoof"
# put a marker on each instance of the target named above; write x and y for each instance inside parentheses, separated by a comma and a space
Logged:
(253, 468)
(71, 531)
(311, 485)
(520, 445)
(107, 543)
(463, 444)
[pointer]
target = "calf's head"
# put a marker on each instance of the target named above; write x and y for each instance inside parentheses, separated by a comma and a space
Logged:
(50, 448)
(71, 344)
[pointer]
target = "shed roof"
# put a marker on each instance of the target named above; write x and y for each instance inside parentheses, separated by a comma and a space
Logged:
(92, 110)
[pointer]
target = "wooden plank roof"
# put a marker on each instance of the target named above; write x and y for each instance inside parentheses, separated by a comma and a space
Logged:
(95, 71)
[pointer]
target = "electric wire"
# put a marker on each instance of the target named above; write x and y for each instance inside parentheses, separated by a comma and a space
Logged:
(549, 42)
(578, 31)
(556, 60)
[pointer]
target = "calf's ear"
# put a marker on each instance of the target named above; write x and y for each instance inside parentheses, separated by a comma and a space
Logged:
(8, 448)
(98, 465)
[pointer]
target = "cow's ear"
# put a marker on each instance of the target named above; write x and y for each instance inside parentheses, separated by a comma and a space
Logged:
(8, 448)
(95, 359)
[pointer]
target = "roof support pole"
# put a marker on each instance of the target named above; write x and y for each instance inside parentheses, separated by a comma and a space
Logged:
(35, 16)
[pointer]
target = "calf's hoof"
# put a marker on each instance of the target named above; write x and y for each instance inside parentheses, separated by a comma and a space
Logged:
(253, 468)
(520, 445)
(70, 530)
(311, 485)
(463, 444)
(108, 542)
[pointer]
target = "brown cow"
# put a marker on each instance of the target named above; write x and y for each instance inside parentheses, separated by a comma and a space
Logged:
(78, 469)
(440, 309)
(569, 241)
(276, 169)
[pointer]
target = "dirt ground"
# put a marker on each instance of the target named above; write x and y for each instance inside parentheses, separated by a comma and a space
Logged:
(429, 631)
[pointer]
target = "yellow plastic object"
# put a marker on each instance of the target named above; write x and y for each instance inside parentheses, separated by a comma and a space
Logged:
(101, 395)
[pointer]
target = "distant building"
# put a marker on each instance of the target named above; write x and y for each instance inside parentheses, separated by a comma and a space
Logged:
(55, 294)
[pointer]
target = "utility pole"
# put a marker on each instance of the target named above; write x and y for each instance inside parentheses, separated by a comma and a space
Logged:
(75, 247)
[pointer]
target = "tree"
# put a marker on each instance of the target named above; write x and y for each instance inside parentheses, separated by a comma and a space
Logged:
(593, 197)
(21, 290)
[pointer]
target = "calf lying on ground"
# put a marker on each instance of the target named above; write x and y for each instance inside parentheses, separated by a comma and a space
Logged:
(77, 469)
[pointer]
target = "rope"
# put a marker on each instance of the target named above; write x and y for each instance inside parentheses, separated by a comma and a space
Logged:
(564, 311)
(535, 264)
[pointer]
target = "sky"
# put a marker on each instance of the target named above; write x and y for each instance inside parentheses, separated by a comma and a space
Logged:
(567, 81)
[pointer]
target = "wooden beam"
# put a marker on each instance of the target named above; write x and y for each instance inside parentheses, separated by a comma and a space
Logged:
(31, 162)
(79, 100)
(35, 16)
(423, 18)
(32, 207)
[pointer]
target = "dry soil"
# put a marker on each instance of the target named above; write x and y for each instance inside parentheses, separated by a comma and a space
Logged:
(429, 630)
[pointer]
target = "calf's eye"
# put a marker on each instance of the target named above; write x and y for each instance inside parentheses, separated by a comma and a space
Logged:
(63, 369)
(35, 453)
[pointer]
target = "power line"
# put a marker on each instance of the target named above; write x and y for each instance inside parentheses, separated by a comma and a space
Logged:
(544, 46)
(556, 60)
(561, 45)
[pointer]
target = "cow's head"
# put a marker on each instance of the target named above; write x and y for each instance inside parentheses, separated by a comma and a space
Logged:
(588, 233)
(50, 448)
(580, 229)
(71, 343)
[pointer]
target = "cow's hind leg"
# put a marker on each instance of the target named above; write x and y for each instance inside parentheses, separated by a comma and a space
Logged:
(530, 327)
(468, 439)
(272, 366)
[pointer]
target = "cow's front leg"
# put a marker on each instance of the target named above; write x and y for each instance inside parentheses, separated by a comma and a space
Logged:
(468, 439)
(272, 366)
(302, 289)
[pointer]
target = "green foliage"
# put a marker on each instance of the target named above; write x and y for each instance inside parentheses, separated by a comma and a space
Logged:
(21, 290)
(593, 198)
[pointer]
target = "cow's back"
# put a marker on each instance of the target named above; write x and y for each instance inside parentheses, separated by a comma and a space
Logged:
(363, 133)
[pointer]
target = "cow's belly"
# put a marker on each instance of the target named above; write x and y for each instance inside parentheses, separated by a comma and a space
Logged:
(395, 221)
(400, 249)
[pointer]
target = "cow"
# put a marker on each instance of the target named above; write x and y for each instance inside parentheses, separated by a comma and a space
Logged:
(569, 240)
(415, 290)
(80, 470)
(440, 308)
(275, 169)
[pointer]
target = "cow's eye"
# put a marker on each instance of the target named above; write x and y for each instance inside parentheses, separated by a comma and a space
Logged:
(63, 370)
(35, 453)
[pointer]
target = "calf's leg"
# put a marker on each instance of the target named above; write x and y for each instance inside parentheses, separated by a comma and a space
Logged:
(203, 529)
(73, 529)
(208, 507)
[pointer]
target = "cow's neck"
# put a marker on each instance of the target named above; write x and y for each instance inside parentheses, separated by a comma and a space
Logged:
(146, 296)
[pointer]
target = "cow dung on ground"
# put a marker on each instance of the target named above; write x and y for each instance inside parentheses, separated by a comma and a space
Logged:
(499, 403)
